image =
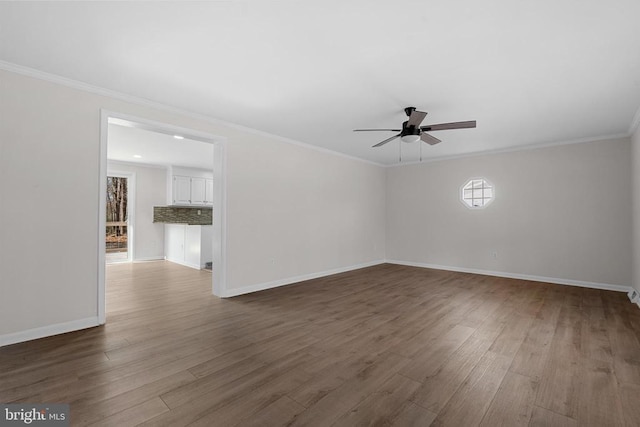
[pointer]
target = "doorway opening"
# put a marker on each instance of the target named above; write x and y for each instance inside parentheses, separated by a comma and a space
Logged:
(152, 189)
(119, 231)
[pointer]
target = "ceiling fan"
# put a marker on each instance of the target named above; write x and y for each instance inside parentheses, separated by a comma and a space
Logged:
(412, 131)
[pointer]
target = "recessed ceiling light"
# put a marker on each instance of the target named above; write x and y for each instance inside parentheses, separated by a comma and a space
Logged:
(178, 136)
(137, 156)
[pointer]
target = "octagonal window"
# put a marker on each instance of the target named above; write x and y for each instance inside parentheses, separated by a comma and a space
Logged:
(477, 193)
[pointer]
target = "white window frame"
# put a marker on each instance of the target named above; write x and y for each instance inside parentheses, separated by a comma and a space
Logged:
(487, 201)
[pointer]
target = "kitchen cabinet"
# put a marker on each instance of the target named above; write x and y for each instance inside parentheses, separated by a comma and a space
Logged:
(181, 190)
(208, 192)
(174, 240)
(190, 187)
(198, 195)
(189, 245)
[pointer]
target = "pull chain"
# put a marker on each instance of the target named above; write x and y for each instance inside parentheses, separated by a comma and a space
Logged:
(420, 142)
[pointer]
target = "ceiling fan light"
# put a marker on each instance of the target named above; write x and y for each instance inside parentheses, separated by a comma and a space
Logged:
(410, 138)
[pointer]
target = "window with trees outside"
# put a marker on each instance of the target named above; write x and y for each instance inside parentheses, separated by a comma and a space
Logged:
(477, 193)
(117, 218)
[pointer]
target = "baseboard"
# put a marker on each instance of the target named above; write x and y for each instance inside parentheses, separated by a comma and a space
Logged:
(554, 280)
(291, 280)
(49, 330)
(195, 266)
(146, 259)
(634, 296)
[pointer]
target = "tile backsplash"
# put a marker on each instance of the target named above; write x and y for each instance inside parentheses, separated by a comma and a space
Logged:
(176, 215)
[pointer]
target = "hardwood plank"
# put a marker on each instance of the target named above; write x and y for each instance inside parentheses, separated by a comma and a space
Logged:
(113, 382)
(56, 371)
(625, 344)
(532, 355)
(248, 406)
(595, 339)
(630, 403)
(412, 415)
(86, 412)
(435, 354)
(327, 380)
(136, 414)
(560, 382)
(267, 351)
(470, 402)
(250, 367)
(599, 402)
(560, 387)
(339, 401)
(513, 403)
(241, 397)
(512, 336)
(383, 406)
(280, 413)
(438, 388)
(541, 417)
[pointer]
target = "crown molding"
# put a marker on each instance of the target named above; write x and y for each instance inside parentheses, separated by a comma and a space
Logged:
(612, 137)
(86, 87)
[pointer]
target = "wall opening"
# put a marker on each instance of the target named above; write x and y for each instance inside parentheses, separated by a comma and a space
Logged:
(213, 185)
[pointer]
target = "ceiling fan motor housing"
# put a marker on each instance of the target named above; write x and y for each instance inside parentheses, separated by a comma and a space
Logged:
(410, 130)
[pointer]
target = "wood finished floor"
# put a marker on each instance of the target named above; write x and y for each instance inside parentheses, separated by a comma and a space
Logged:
(386, 345)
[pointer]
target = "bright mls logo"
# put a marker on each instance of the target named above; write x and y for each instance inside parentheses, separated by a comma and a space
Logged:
(20, 414)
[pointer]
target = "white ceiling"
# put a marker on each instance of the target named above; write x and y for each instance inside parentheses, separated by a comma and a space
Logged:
(534, 72)
(156, 148)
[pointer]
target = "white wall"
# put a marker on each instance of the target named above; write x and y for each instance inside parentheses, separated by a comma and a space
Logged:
(151, 190)
(313, 212)
(562, 212)
(292, 211)
(635, 149)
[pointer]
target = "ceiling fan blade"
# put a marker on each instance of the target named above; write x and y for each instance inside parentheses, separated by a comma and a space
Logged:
(431, 140)
(379, 144)
(447, 126)
(377, 130)
(416, 118)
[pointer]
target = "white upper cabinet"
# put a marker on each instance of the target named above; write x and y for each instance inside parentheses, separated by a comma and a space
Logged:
(181, 190)
(190, 187)
(208, 192)
(198, 191)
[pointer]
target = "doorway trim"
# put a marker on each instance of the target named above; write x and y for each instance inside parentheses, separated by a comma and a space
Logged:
(219, 275)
